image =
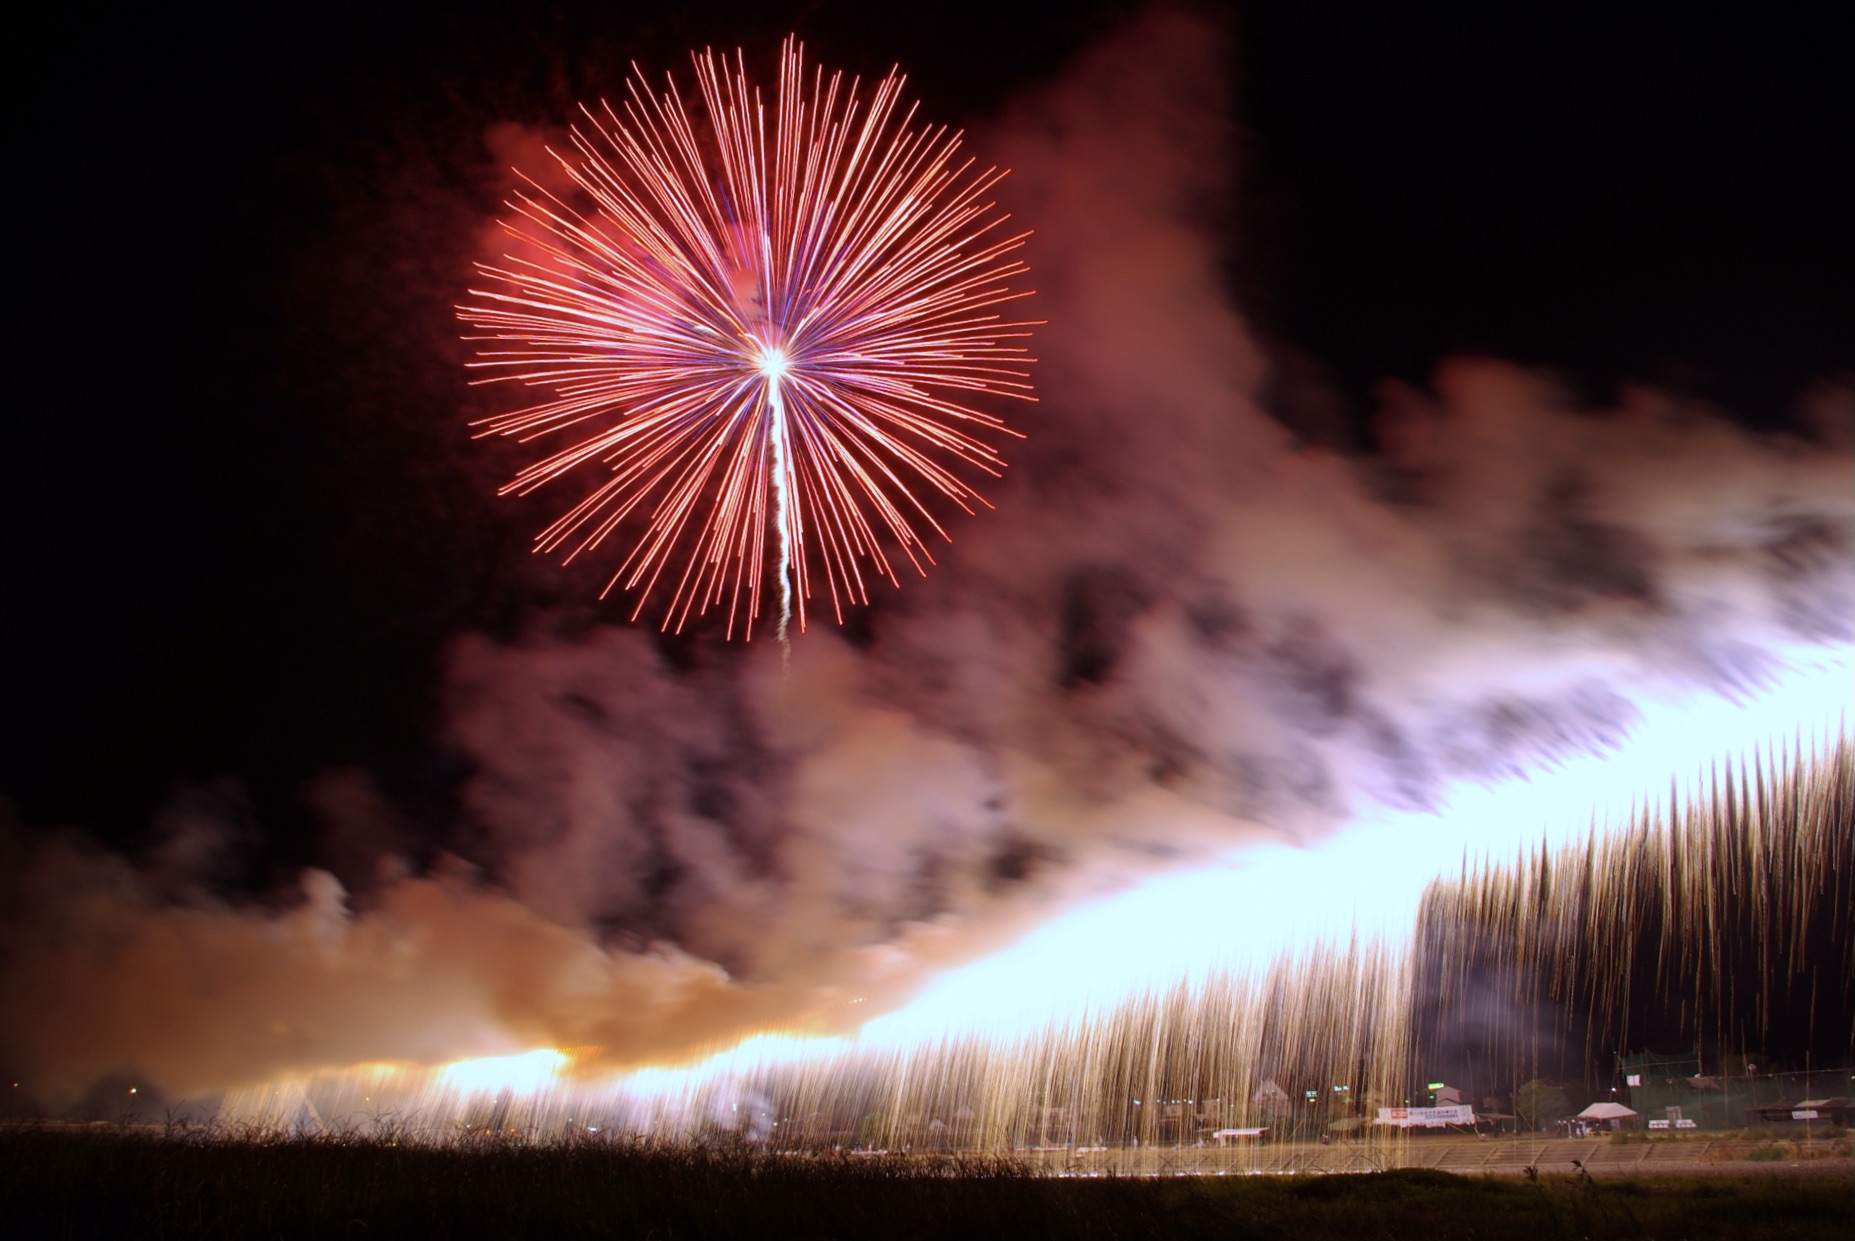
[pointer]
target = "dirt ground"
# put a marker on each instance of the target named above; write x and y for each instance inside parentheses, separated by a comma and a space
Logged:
(1507, 1156)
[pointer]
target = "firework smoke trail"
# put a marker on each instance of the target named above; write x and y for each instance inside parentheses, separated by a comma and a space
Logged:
(827, 301)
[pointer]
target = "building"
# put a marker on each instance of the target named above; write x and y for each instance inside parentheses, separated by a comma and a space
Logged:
(1804, 1112)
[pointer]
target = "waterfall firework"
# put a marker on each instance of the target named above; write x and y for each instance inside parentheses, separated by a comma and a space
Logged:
(766, 329)
(1721, 923)
(1712, 918)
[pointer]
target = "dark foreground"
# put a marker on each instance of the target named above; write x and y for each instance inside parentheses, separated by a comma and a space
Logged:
(61, 1183)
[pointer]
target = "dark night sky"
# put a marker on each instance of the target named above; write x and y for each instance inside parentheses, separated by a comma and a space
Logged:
(244, 520)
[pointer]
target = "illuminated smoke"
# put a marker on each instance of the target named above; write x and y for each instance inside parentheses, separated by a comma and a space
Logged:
(1179, 633)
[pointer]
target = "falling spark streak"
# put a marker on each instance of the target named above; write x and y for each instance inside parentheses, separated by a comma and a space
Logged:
(731, 313)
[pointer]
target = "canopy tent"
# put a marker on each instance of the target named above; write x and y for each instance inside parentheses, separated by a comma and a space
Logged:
(1606, 1111)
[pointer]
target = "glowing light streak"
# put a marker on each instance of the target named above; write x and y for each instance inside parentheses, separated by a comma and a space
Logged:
(748, 316)
(525, 1072)
(1264, 900)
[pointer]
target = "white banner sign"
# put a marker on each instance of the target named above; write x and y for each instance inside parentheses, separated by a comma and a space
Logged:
(1427, 1117)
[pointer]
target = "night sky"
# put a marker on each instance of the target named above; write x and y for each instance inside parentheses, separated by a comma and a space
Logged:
(245, 517)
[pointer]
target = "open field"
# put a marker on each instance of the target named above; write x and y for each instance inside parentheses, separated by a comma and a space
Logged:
(1506, 1156)
(101, 1182)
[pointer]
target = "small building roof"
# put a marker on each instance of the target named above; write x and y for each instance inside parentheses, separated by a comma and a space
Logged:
(1830, 1105)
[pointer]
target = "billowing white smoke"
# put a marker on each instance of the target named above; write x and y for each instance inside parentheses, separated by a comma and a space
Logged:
(1178, 632)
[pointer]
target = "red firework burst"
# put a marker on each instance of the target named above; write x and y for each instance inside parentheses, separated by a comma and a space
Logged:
(766, 339)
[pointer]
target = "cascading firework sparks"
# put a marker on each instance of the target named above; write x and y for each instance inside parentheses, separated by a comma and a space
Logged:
(1706, 919)
(768, 339)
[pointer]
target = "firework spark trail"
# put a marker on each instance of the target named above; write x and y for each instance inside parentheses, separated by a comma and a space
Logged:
(1730, 909)
(733, 317)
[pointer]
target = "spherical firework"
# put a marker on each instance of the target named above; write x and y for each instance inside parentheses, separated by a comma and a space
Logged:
(765, 329)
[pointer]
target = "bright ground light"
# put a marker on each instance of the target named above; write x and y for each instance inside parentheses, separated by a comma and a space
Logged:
(527, 1072)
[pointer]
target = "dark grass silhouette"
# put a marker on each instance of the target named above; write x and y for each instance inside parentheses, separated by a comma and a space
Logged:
(117, 1183)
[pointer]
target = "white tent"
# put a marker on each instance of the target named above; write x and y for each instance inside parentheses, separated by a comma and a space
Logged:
(1606, 1111)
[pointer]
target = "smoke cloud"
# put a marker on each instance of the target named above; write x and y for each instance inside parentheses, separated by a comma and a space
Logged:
(1180, 631)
